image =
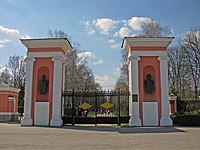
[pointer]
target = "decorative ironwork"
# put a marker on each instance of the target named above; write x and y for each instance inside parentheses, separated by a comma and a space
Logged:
(107, 105)
(93, 107)
(93, 93)
(85, 106)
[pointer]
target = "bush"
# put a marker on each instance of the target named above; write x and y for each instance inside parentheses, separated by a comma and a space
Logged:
(191, 118)
(21, 110)
(188, 105)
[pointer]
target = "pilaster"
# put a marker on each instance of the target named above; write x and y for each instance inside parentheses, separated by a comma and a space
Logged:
(165, 119)
(57, 85)
(134, 90)
(27, 119)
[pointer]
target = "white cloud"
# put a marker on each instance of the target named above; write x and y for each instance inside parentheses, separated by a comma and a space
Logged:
(105, 25)
(135, 22)
(113, 44)
(116, 34)
(88, 27)
(111, 41)
(100, 38)
(9, 35)
(1, 45)
(124, 31)
(90, 57)
(116, 28)
(124, 22)
(105, 81)
(86, 55)
(25, 36)
(118, 69)
(90, 31)
(7, 31)
(98, 62)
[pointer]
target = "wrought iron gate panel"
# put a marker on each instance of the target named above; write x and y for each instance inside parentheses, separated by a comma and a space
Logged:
(95, 107)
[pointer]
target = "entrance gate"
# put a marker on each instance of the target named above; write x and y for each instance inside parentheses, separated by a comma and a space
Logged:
(95, 107)
(146, 56)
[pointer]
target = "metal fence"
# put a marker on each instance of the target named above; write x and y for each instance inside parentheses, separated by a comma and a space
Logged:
(94, 107)
(187, 104)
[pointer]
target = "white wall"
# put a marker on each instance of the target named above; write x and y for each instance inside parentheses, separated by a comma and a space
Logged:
(150, 113)
(41, 113)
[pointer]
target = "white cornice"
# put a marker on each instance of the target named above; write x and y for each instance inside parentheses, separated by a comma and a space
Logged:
(149, 53)
(146, 42)
(44, 54)
(9, 89)
(47, 42)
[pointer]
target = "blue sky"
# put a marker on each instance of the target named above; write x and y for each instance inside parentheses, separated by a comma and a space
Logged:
(98, 25)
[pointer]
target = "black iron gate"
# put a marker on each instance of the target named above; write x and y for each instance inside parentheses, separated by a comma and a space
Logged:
(95, 107)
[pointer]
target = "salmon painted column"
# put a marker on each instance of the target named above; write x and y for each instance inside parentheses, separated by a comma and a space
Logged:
(44, 81)
(148, 80)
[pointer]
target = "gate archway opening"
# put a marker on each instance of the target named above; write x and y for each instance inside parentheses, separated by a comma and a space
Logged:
(95, 107)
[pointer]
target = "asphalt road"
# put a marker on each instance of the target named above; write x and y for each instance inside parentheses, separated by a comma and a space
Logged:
(13, 136)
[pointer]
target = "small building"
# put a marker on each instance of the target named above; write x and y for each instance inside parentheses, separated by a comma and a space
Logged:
(172, 104)
(8, 103)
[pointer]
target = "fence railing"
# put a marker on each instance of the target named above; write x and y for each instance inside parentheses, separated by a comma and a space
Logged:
(188, 98)
(188, 104)
(95, 105)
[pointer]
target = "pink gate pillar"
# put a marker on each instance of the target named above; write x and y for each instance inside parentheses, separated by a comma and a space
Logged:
(148, 81)
(44, 80)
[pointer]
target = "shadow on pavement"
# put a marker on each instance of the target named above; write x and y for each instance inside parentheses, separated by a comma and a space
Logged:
(126, 130)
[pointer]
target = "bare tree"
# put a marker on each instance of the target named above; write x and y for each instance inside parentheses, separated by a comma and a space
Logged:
(123, 82)
(5, 77)
(179, 78)
(14, 75)
(77, 74)
(191, 46)
(17, 66)
(155, 29)
(57, 34)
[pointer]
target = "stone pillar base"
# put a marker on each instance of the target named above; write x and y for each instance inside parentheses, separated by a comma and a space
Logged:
(135, 121)
(166, 121)
(56, 122)
(27, 122)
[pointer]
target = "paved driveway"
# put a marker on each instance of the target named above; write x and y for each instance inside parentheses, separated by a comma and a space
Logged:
(13, 136)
